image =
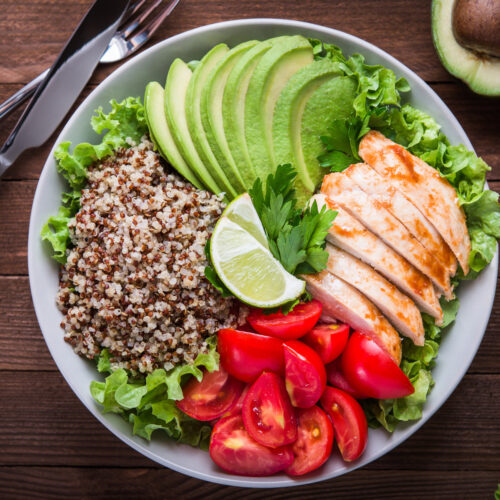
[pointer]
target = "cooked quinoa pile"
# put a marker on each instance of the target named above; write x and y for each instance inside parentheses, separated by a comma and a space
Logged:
(134, 281)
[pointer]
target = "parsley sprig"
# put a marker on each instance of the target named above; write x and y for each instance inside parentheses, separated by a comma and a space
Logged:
(296, 238)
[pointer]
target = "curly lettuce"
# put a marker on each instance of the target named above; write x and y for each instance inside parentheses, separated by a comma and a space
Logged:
(149, 403)
(123, 126)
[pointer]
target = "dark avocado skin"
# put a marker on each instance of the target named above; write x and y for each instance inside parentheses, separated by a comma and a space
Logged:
(476, 25)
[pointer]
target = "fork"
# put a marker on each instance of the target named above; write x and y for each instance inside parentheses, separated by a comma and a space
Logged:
(137, 28)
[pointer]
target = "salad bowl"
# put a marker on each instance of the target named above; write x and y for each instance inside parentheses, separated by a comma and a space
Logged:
(460, 342)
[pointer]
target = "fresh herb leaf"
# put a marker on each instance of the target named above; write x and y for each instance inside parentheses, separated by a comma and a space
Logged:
(296, 238)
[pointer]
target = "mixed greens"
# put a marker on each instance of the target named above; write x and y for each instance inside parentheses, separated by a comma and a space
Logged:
(149, 403)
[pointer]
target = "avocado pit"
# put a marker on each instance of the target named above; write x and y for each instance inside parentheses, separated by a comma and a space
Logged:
(476, 26)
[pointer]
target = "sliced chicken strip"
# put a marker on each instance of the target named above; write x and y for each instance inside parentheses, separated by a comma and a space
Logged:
(350, 235)
(403, 209)
(342, 190)
(400, 310)
(424, 187)
(345, 303)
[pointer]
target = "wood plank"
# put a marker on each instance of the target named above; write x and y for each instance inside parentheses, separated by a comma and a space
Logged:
(45, 25)
(58, 430)
(21, 342)
(112, 483)
(15, 206)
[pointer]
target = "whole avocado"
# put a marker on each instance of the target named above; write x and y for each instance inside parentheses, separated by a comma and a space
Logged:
(466, 35)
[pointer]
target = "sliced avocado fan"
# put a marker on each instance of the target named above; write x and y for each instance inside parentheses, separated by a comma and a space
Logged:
(233, 109)
(479, 71)
(211, 113)
(154, 98)
(178, 79)
(284, 59)
(193, 116)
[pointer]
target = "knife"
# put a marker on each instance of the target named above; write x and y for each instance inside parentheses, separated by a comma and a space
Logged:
(65, 80)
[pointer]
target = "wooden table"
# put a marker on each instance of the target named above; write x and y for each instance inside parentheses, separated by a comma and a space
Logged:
(50, 445)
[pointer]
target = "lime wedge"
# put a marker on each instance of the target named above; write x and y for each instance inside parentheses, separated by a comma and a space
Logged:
(242, 211)
(249, 269)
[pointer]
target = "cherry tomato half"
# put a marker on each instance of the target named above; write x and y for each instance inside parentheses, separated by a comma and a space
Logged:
(349, 422)
(232, 449)
(245, 355)
(327, 340)
(305, 374)
(314, 442)
(217, 393)
(267, 412)
(336, 379)
(371, 371)
(236, 409)
(289, 326)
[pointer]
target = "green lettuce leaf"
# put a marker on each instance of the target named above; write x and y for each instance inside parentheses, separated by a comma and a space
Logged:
(123, 126)
(149, 403)
(56, 232)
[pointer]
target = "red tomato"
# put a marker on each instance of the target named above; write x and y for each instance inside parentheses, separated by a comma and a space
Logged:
(349, 422)
(314, 442)
(327, 340)
(305, 374)
(232, 449)
(371, 371)
(212, 397)
(236, 409)
(336, 379)
(267, 413)
(289, 326)
(245, 355)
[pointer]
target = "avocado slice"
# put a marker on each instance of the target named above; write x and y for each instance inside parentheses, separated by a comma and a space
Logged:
(480, 71)
(160, 133)
(233, 109)
(287, 122)
(333, 100)
(193, 115)
(211, 113)
(178, 79)
(287, 56)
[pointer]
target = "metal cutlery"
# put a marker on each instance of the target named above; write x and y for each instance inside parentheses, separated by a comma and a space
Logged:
(65, 79)
(136, 28)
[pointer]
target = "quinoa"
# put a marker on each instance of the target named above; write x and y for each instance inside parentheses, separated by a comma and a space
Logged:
(134, 279)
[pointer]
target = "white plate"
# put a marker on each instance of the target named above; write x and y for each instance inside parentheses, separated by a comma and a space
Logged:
(459, 344)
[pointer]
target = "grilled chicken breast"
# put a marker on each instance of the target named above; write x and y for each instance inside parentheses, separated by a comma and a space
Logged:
(343, 302)
(424, 187)
(350, 235)
(405, 211)
(342, 190)
(397, 307)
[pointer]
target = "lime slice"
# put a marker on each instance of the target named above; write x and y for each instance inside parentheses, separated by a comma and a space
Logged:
(242, 211)
(249, 269)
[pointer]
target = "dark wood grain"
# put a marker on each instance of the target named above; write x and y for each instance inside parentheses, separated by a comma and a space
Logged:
(51, 445)
(149, 484)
